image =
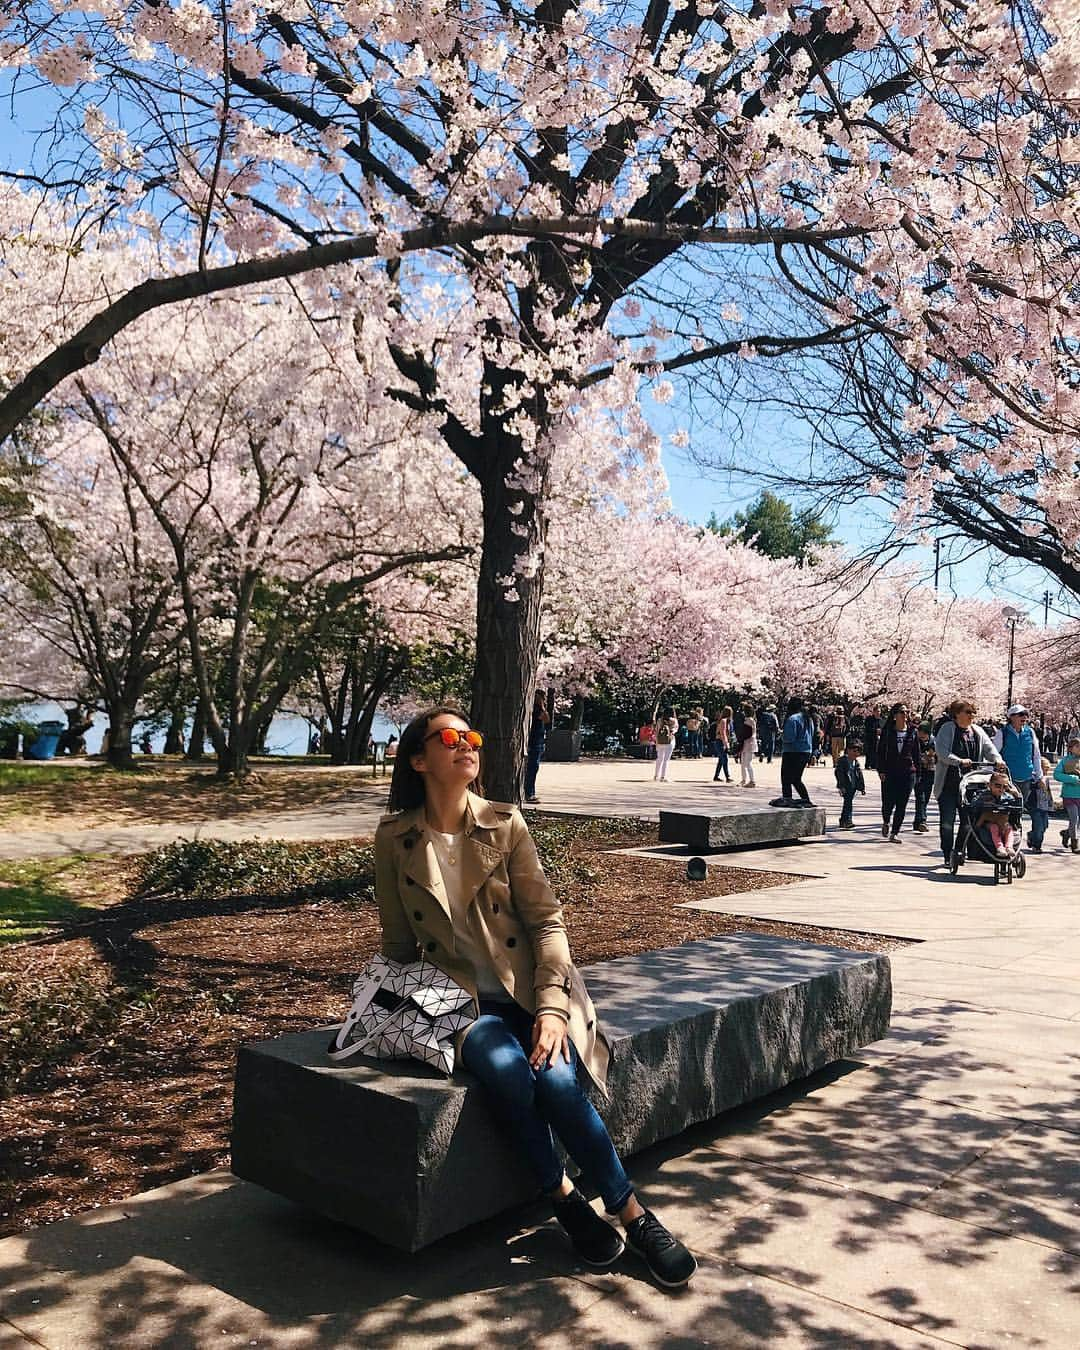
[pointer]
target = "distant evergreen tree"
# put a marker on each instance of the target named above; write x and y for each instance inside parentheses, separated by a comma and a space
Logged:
(773, 527)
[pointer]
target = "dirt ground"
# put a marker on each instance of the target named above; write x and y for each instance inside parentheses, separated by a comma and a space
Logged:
(142, 1095)
(91, 794)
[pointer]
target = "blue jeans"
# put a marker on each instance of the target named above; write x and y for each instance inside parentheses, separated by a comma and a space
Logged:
(532, 764)
(721, 763)
(947, 806)
(924, 785)
(533, 1102)
(846, 811)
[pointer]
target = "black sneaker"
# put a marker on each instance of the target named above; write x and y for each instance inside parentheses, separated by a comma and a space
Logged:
(593, 1239)
(668, 1260)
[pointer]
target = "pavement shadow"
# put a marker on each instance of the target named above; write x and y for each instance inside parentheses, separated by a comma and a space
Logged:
(872, 1148)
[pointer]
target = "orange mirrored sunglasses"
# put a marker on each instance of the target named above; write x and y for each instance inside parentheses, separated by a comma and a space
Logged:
(451, 737)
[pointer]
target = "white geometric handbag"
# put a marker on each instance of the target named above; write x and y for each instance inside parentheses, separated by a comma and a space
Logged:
(404, 1010)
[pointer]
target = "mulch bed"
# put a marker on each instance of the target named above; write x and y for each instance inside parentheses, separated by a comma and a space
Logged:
(147, 1099)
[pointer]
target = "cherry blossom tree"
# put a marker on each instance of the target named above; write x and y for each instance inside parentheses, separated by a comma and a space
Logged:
(280, 477)
(902, 171)
(88, 573)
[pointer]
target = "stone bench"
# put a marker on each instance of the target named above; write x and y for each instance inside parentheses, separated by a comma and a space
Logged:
(408, 1156)
(742, 828)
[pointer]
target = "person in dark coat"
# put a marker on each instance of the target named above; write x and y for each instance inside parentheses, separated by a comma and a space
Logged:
(871, 732)
(898, 755)
(849, 779)
(924, 781)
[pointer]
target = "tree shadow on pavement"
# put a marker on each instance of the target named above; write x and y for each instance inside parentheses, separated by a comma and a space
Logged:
(867, 1205)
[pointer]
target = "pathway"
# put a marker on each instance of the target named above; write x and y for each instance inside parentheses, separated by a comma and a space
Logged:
(925, 1193)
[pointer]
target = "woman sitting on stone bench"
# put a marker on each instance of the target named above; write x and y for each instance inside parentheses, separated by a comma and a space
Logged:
(458, 878)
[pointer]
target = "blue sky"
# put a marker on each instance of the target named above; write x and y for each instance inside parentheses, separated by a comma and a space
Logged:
(695, 494)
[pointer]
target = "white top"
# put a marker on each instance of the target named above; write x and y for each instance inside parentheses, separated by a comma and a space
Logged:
(450, 853)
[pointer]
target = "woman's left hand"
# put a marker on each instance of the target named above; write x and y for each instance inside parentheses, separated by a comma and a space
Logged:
(550, 1036)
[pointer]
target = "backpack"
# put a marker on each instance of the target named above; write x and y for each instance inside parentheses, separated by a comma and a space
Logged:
(663, 732)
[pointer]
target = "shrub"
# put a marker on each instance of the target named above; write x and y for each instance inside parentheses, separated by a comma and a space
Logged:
(206, 869)
(44, 1019)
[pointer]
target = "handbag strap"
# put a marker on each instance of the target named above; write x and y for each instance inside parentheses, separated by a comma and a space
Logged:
(363, 997)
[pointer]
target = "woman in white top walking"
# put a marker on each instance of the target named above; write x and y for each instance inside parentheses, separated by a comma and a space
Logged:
(666, 729)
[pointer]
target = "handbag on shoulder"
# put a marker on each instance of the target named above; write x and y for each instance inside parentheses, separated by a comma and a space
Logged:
(404, 1010)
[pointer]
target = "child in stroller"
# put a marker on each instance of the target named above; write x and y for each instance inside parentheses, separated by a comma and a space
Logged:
(990, 824)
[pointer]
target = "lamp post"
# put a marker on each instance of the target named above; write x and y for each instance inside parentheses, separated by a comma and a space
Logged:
(1012, 617)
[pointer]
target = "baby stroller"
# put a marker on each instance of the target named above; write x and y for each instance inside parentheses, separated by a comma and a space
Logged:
(971, 846)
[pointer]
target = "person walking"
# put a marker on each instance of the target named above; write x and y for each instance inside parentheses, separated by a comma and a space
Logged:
(796, 746)
(1067, 773)
(1041, 802)
(458, 877)
(723, 743)
(665, 729)
(1019, 747)
(897, 767)
(871, 732)
(849, 780)
(539, 722)
(959, 745)
(768, 728)
(924, 779)
(693, 733)
(836, 734)
(747, 750)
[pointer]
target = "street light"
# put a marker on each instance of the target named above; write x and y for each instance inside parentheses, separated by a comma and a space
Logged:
(1012, 617)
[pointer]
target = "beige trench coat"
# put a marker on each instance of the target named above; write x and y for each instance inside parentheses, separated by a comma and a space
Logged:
(512, 912)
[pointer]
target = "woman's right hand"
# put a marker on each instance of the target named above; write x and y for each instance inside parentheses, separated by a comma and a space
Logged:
(966, 764)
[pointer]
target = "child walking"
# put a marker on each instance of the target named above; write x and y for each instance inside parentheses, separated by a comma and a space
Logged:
(849, 779)
(1067, 773)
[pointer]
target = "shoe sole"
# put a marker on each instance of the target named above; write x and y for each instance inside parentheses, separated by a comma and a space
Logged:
(667, 1284)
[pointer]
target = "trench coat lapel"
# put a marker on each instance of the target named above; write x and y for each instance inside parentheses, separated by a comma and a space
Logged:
(421, 864)
(480, 858)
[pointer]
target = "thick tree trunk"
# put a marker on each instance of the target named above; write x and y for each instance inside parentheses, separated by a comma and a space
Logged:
(196, 749)
(174, 735)
(507, 641)
(232, 759)
(121, 720)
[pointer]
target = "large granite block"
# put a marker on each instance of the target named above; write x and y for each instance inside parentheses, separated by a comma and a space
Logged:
(739, 829)
(407, 1155)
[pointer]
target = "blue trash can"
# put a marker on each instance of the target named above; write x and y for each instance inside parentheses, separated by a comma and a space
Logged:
(48, 738)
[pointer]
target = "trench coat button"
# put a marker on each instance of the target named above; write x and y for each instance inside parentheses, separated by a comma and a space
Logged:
(588, 1026)
(495, 907)
(409, 881)
(407, 843)
(431, 946)
(418, 913)
(511, 942)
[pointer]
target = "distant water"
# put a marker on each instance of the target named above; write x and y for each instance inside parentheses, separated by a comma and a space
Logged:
(288, 733)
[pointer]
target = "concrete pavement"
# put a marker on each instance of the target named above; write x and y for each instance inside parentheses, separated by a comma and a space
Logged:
(925, 1193)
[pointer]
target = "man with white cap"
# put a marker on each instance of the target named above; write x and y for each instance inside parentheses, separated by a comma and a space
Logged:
(1019, 748)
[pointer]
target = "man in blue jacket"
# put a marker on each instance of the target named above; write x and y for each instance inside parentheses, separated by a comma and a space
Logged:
(1019, 748)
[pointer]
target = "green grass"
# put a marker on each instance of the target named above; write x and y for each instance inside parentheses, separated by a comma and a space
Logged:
(34, 897)
(15, 775)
